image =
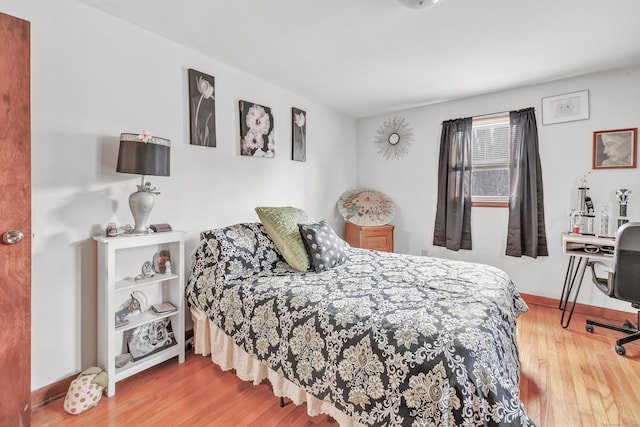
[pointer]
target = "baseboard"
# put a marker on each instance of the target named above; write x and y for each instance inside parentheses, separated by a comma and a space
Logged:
(51, 392)
(609, 314)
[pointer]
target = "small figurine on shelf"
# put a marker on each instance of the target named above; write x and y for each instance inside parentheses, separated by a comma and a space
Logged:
(167, 267)
(121, 317)
(160, 260)
(112, 230)
(136, 304)
(623, 198)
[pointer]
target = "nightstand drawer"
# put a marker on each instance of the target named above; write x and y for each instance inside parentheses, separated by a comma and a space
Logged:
(377, 242)
(379, 237)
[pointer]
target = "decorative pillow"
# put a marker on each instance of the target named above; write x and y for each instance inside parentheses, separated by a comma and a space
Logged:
(325, 248)
(242, 249)
(281, 224)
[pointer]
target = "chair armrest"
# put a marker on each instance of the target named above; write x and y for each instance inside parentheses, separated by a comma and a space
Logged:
(608, 268)
(605, 284)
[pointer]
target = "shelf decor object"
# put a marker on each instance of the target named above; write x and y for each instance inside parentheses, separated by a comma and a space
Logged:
(135, 304)
(366, 207)
(143, 154)
(150, 338)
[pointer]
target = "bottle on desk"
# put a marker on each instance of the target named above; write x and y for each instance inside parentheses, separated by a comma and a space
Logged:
(604, 221)
(581, 222)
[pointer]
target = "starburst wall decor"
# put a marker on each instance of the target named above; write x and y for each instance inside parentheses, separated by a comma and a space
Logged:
(394, 138)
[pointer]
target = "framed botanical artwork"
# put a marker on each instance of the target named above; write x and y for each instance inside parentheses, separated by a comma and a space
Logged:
(615, 149)
(202, 109)
(256, 130)
(565, 108)
(298, 135)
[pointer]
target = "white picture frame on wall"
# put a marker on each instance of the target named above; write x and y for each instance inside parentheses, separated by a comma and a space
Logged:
(568, 107)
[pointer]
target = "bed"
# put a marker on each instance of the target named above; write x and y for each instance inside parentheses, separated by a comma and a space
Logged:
(378, 339)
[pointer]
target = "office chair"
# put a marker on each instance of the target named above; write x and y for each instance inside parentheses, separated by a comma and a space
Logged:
(622, 281)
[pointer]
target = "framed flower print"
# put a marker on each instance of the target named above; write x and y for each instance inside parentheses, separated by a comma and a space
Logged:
(202, 109)
(256, 130)
(298, 135)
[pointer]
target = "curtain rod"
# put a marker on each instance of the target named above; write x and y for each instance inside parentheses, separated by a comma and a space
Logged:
(497, 113)
(500, 113)
(489, 115)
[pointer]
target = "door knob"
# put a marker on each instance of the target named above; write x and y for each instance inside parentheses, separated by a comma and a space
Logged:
(12, 237)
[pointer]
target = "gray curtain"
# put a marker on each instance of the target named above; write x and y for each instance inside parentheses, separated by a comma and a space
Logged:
(526, 232)
(453, 214)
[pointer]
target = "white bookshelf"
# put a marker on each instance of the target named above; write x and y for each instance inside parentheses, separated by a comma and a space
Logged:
(120, 260)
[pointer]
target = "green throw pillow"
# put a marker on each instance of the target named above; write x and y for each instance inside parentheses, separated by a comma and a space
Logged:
(281, 223)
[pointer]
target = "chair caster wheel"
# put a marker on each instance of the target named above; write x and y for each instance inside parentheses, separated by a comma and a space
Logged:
(620, 350)
(589, 328)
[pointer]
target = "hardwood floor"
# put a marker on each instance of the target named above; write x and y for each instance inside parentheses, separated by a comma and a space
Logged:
(569, 378)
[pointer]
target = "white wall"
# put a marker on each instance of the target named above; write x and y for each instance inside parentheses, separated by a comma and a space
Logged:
(93, 77)
(565, 152)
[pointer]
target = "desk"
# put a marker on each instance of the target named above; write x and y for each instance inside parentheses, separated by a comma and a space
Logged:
(580, 248)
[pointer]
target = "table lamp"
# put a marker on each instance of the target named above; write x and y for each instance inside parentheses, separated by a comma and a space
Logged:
(143, 154)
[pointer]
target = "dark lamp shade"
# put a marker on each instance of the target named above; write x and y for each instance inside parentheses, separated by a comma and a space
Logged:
(144, 158)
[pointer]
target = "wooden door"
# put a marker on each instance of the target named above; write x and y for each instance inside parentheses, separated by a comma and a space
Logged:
(15, 214)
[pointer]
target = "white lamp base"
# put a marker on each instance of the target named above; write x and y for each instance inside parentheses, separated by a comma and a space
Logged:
(141, 204)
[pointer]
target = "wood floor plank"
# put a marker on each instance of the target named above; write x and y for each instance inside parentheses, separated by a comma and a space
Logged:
(569, 377)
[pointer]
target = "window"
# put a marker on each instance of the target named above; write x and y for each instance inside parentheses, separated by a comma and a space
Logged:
(490, 161)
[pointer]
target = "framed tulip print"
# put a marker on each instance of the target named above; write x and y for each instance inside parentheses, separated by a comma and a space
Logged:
(202, 109)
(298, 135)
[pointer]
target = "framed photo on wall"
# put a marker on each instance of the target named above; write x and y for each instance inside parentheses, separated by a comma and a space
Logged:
(298, 135)
(565, 108)
(202, 108)
(256, 130)
(615, 149)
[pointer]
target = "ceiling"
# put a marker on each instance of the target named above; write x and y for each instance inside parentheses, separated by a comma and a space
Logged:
(368, 57)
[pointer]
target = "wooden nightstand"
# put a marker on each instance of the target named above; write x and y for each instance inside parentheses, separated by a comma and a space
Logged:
(378, 237)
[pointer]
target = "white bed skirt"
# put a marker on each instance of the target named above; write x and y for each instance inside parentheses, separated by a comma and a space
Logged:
(209, 339)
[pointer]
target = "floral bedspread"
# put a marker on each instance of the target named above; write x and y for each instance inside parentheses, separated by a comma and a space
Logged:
(388, 339)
